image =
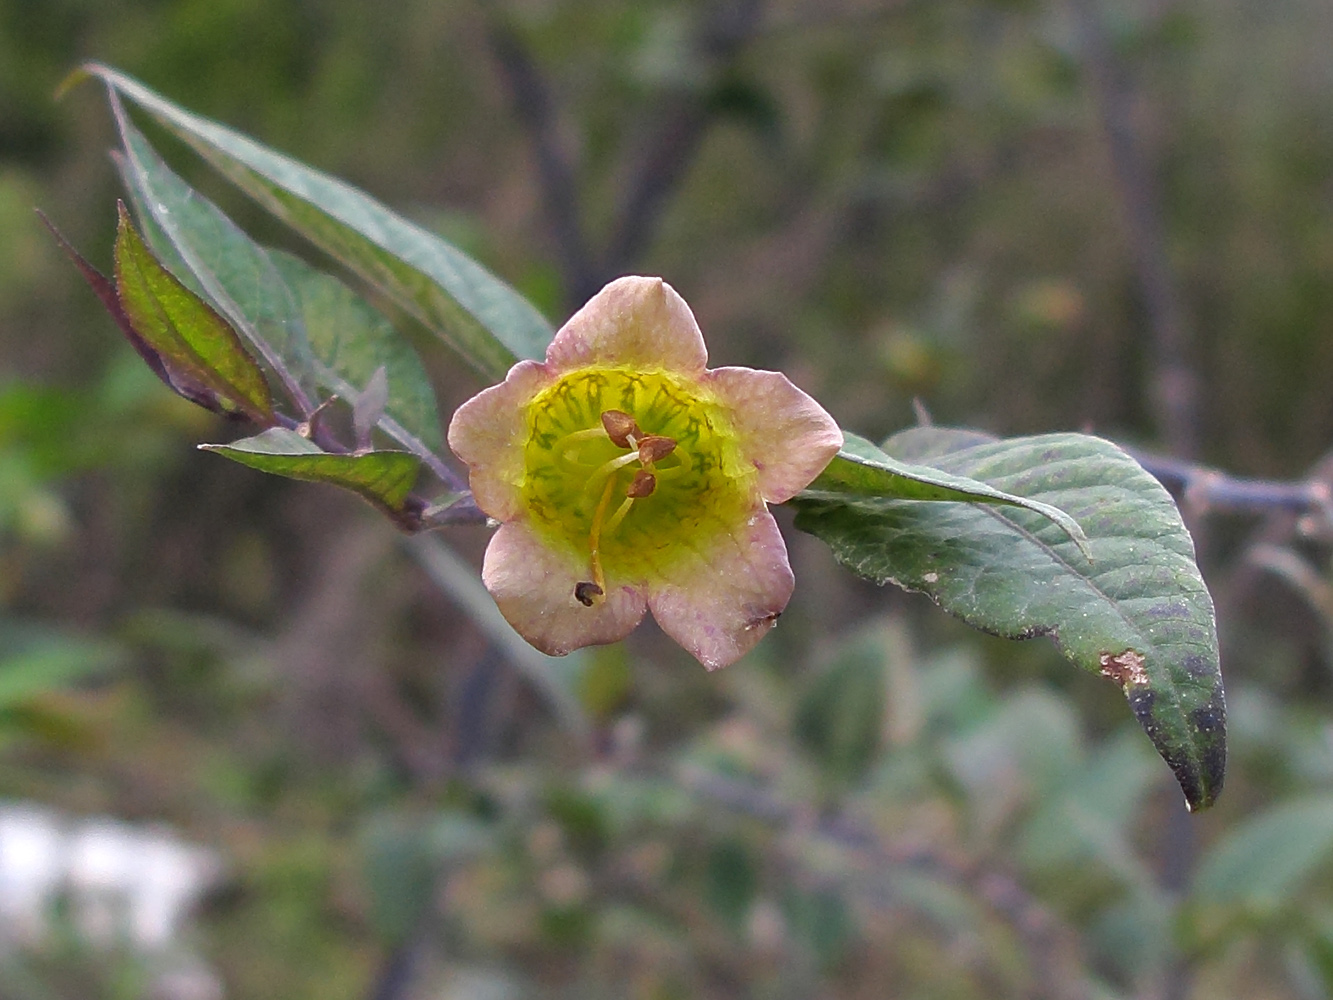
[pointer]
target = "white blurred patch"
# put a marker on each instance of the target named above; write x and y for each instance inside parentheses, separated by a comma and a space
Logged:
(126, 885)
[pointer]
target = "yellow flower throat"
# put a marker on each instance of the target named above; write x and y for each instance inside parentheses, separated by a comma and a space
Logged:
(631, 470)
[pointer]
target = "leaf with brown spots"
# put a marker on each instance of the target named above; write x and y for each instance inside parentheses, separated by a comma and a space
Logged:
(1137, 613)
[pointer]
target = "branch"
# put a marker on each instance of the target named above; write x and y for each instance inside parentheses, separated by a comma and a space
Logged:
(1207, 491)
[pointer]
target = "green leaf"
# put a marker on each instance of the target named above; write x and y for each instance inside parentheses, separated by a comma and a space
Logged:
(385, 478)
(1138, 613)
(179, 380)
(822, 920)
(861, 469)
(1261, 863)
(310, 325)
(481, 317)
(230, 268)
(186, 332)
(352, 341)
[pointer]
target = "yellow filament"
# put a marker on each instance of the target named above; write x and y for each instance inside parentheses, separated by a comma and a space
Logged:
(619, 515)
(595, 536)
(569, 445)
(609, 469)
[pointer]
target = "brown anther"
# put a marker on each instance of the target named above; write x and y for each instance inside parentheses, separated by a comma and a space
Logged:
(644, 484)
(620, 427)
(654, 448)
(586, 593)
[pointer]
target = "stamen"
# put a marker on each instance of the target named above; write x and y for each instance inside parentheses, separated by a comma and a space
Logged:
(595, 536)
(620, 427)
(609, 469)
(614, 522)
(568, 446)
(644, 484)
(655, 447)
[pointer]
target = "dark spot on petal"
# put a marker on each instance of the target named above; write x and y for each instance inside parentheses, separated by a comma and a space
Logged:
(586, 593)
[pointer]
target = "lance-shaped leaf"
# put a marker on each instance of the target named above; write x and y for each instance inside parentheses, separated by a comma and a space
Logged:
(861, 469)
(197, 351)
(230, 268)
(177, 380)
(481, 317)
(1137, 613)
(385, 478)
(312, 327)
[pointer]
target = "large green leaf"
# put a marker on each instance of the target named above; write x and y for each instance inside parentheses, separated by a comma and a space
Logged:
(194, 345)
(480, 316)
(1138, 612)
(385, 478)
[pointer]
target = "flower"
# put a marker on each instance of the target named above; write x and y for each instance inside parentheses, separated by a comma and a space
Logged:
(628, 477)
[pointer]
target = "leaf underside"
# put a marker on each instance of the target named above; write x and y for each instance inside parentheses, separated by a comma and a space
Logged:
(196, 347)
(1138, 612)
(384, 478)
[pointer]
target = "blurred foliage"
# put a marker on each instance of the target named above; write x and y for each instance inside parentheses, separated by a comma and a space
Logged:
(891, 200)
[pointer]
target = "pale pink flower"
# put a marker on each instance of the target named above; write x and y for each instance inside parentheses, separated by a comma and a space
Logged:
(628, 477)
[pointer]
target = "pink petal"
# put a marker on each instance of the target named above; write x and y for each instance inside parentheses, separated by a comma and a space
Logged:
(534, 588)
(721, 601)
(489, 433)
(784, 432)
(635, 323)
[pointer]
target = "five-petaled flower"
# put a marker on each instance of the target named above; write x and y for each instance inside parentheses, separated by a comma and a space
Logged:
(628, 477)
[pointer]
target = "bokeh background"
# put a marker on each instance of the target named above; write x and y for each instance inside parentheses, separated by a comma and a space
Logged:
(250, 748)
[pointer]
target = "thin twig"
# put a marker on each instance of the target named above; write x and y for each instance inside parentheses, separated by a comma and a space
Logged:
(1236, 592)
(1208, 491)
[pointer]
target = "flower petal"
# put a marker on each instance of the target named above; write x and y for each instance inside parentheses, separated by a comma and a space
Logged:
(534, 588)
(489, 432)
(786, 434)
(632, 322)
(722, 601)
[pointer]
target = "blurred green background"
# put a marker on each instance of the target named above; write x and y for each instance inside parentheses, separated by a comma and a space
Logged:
(1029, 215)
